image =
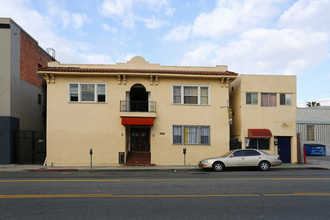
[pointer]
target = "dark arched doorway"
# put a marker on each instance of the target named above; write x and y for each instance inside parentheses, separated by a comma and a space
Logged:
(138, 98)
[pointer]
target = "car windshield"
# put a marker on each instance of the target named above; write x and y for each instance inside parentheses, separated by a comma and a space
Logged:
(228, 153)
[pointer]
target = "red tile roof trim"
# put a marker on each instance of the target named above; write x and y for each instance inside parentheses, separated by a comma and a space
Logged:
(73, 69)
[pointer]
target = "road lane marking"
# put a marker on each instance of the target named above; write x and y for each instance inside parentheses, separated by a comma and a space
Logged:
(151, 196)
(156, 180)
(95, 180)
(299, 194)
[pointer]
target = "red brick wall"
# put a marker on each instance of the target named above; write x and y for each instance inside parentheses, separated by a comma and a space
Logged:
(32, 56)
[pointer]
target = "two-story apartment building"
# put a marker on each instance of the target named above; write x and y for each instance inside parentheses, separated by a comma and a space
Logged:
(264, 114)
(146, 112)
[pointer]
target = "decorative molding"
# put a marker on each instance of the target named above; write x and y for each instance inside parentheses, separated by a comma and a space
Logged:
(156, 80)
(222, 82)
(119, 80)
(151, 80)
(46, 77)
(227, 82)
(50, 78)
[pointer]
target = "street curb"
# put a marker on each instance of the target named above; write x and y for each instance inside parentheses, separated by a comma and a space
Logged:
(154, 169)
(49, 170)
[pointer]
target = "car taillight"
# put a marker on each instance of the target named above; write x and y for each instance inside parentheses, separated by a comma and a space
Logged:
(278, 158)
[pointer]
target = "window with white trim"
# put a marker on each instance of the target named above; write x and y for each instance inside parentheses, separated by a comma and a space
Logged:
(191, 135)
(285, 99)
(191, 95)
(87, 92)
(252, 98)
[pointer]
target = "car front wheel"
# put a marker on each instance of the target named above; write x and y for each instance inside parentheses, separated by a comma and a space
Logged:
(264, 165)
(218, 166)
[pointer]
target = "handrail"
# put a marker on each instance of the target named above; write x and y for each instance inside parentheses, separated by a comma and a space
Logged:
(137, 106)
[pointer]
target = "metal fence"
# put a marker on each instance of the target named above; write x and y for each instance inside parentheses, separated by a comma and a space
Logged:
(29, 147)
(137, 106)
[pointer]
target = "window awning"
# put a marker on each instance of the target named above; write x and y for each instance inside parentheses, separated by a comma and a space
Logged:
(137, 121)
(259, 133)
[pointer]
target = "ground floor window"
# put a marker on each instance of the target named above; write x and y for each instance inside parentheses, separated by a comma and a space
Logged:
(191, 134)
(257, 143)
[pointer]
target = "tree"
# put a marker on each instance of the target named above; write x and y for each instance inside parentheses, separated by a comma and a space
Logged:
(312, 104)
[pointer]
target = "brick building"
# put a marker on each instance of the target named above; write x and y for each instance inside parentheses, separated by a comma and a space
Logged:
(21, 88)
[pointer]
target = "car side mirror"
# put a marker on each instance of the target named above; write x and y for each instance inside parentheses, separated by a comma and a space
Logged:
(231, 155)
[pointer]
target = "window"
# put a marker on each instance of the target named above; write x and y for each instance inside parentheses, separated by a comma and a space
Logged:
(257, 143)
(310, 133)
(39, 99)
(177, 94)
(101, 92)
(268, 99)
(191, 95)
(191, 135)
(239, 153)
(252, 98)
(285, 99)
(204, 95)
(87, 92)
(251, 153)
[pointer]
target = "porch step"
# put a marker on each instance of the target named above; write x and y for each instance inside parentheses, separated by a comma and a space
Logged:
(138, 159)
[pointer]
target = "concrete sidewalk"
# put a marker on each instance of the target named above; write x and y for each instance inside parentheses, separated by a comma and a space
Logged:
(312, 163)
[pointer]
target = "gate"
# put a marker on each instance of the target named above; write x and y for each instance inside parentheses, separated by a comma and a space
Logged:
(29, 147)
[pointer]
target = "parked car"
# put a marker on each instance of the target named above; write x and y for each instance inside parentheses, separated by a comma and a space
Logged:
(242, 158)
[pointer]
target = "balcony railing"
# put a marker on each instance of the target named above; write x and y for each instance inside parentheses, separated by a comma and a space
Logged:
(137, 106)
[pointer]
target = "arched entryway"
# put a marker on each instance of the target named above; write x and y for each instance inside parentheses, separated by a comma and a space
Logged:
(138, 98)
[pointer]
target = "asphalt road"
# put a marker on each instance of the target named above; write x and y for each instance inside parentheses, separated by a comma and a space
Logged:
(234, 194)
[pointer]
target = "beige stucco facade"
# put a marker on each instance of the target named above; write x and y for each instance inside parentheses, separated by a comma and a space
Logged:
(110, 127)
(75, 127)
(279, 119)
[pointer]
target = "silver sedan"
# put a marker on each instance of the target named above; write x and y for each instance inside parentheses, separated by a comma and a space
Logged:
(242, 158)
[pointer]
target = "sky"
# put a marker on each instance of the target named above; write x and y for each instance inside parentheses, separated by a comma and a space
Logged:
(279, 37)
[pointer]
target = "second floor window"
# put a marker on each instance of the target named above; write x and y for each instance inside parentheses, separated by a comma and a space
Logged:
(252, 98)
(268, 99)
(191, 95)
(87, 92)
(285, 99)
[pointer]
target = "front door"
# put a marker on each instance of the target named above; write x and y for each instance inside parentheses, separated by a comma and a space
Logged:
(284, 149)
(140, 139)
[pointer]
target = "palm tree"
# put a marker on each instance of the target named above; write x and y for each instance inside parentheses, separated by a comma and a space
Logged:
(312, 104)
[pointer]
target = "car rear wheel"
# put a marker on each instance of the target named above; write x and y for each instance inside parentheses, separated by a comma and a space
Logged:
(218, 166)
(264, 165)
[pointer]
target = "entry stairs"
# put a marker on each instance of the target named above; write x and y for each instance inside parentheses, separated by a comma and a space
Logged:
(138, 159)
